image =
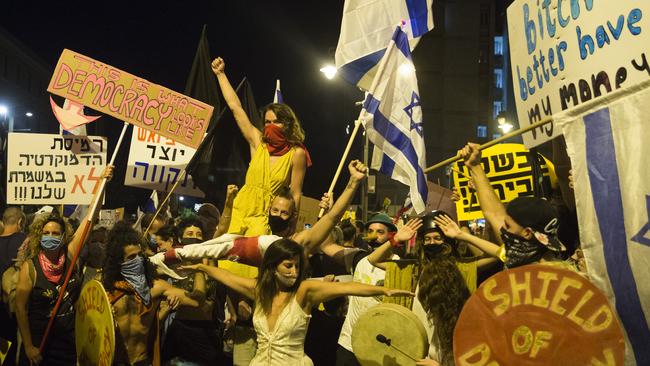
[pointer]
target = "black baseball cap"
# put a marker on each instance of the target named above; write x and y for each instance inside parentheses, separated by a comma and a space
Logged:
(539, 215)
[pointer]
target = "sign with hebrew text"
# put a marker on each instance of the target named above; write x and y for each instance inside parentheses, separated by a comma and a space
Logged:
(156, 162)
(129, 98)
(54, 169)
(510, 171)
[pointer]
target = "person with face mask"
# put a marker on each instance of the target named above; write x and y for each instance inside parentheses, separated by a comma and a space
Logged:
(250, 250)
(284, 301)
(278, 158)
(194, 335)
(135, 296)
(52, 245)
(527, 226)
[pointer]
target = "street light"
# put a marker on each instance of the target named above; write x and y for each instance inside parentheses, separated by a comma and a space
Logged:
(29, 114)
(4, 110)
(329, 71)
(503, 123)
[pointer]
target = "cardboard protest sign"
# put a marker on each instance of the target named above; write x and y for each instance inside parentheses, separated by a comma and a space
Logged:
(155, 162)
(308, 213)
(94, 327)
(54, 169)
(565, 53)
(509, 169)
(538, 314)
(129, 98)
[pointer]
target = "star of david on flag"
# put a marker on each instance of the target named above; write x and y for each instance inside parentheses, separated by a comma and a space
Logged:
(392, 116)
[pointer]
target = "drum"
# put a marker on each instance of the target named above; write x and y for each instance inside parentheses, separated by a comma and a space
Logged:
(94, 327)
(389, 334)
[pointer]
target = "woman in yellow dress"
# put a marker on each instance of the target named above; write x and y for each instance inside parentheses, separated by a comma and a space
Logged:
(278, 158)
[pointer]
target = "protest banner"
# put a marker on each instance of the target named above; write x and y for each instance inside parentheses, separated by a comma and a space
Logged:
(54, 169)
(108, 217)
(538, 314)
(155, 162)
(129, 98)
(94, 327)
(510, 171)
(565, 53)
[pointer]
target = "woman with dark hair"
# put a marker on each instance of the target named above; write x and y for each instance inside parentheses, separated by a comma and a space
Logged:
(52, 245)
(284, 301)
(442, 293)
(278, 158)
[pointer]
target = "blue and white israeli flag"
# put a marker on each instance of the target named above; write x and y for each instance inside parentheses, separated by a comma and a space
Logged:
(609, 147)
(277, 96)
(366, 28)
(392, 117)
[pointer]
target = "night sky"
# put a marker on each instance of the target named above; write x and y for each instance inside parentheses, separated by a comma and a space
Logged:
(263, 40)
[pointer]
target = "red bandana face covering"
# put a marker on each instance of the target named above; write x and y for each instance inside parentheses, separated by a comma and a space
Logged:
(275, 139)
(52, 271)
(276, 142)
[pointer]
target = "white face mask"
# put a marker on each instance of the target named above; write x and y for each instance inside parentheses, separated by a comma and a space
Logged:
(285, 280)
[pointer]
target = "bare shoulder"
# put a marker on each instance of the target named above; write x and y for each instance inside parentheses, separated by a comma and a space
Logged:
(299, 154)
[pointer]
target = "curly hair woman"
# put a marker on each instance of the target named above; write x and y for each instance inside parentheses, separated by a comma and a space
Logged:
(284, 300)
(442, 293)
(278, 158)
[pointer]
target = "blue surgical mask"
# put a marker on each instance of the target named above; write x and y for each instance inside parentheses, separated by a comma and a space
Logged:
(49, 242)
(133, 272)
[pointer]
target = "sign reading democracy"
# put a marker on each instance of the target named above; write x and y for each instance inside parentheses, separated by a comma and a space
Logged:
(94, 327)
(134, 100)
(510, 171)
(155, 162)
(54, 169)
(538, 314)
(565, 53)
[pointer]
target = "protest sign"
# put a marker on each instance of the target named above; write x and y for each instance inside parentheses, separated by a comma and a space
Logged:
(509, 169)
(129, 98)
(54, 169)
(155, 162)
(108, 217)
(538, 314)
(94, 327)
(308, 214)
(565, 53)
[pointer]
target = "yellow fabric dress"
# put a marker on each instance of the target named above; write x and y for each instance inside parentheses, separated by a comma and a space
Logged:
(251, 206)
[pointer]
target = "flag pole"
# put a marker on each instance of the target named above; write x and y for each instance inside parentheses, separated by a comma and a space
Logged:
(361, 119)
(182, 175)
(84, 235)
(493, 142)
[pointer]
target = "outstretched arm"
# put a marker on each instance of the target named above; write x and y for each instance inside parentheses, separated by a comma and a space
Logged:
(451, 229)
(252, 135)
(175, 295)
(312, 292)
(312, 238)
(493, 209)
(243, 285)
(380, 255)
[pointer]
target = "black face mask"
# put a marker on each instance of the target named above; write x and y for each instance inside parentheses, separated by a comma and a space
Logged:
(188, 241)
(435, 250)
(278, 224)
(519, 250)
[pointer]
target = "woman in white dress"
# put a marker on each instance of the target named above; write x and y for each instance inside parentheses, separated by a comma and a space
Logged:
(284, 301)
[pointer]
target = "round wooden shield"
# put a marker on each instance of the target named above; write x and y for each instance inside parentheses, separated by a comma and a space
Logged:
(94, 327)
(392, 324)
(538, 315)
